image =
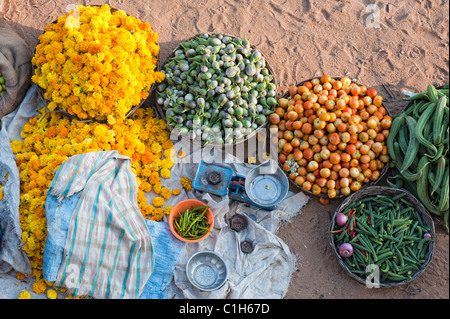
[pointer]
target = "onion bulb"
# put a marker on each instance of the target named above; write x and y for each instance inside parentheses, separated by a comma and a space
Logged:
(341, 219)
(345, 250)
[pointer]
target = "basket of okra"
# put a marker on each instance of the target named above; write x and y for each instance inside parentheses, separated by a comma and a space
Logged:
(382, 235)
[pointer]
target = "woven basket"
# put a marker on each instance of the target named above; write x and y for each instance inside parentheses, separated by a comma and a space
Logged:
(370, 183)
(378, 190)
(162, 114)
(90, 120)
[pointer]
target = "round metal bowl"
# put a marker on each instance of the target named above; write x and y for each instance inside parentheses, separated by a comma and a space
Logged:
(206, 271)
(266, 184)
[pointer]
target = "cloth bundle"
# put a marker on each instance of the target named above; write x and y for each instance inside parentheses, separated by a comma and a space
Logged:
(15, 65)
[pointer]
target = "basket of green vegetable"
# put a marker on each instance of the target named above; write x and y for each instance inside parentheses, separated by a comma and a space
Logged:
(418, 147)
(382, 235)
(219, 90)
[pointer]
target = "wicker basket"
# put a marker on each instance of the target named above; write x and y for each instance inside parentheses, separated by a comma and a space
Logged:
(162, 114)
(378, 190)
(298, 188)
(90, 120)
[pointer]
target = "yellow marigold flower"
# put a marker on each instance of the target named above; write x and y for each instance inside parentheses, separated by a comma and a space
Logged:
(39, 286)
(51, 294)
(176, 191)
(167, 163)
(186, 183)
(167, 209)
(169, 153)
(158, 214)
(156, 147)
(24, 295)
(167, 145)
(165, 192)
(20, 276)
(158, 201)
(157, 188)
(165, 173)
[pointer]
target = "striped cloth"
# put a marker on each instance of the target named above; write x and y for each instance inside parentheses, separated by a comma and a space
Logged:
(108, 252)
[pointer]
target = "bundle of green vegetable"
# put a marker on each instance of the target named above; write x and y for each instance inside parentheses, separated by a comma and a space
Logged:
(2, 84)
(418, 147)
(385, 231)
(217, 89)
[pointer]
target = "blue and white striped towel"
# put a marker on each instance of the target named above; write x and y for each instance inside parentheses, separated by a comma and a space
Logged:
(108, 250)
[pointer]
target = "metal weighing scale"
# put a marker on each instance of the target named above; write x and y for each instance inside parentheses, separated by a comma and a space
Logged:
(263, 189)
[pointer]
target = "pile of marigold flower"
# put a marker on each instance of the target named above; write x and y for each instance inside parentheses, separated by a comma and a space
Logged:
(96, 63)
(49, 139)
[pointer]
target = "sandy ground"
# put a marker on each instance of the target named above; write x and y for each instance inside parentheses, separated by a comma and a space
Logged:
(390, 43)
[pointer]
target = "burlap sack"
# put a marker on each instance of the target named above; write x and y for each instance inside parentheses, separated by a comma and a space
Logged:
(15, 65)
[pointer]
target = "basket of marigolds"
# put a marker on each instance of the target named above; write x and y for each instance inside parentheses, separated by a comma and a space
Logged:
(382, 235)
(96, 64)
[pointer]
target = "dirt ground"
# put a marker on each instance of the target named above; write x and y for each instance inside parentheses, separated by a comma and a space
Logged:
(392, 45)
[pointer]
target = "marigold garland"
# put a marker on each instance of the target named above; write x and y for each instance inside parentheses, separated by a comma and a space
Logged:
(96, 63)
(50, 139)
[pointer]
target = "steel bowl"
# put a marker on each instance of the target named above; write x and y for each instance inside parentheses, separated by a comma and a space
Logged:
(206, 271)
(266, 184)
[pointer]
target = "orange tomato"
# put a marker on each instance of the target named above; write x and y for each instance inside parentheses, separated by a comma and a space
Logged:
(283, 102)
(335, 138)
(378, 100)
(299, 180)
(316, 189)
(331, 193)
(308, 153)
(322, 182)
(306, 186)
(293, 90)
(307, 128)
(325, 78)
(274, 118)
(298, 155)
(345, 157)
(344, 172)
(335, 158)
(297, 125)
(325, 172)
(350, 148)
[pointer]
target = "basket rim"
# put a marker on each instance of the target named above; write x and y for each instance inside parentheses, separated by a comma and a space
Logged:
(66, 114)
(383, 171)
(162, 114)
(426, 217)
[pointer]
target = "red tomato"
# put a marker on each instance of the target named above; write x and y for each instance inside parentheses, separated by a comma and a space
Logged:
(372, 92)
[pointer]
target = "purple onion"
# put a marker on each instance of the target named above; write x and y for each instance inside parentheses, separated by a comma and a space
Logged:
(345, 250)
(427, 235)
(341, 219)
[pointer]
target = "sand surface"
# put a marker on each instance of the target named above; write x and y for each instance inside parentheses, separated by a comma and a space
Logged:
(394, 44)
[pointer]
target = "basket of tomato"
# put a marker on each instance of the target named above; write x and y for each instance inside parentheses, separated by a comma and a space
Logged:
(332, 136)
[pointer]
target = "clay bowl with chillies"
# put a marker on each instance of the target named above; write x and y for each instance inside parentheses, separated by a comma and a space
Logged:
(191, 221)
